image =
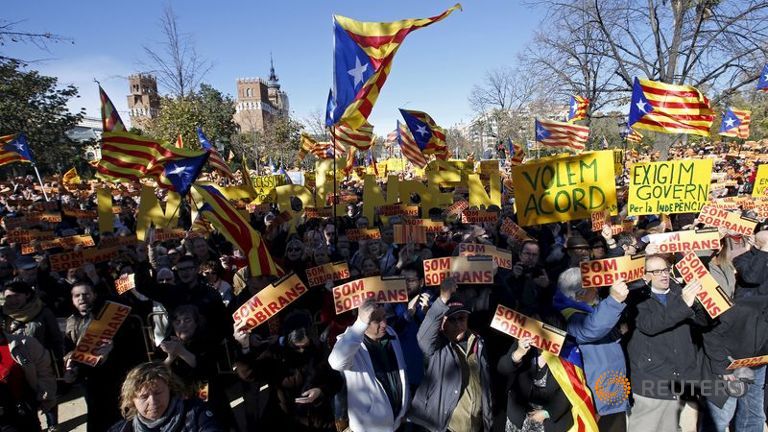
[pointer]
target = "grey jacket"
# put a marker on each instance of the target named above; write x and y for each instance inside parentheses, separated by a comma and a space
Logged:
(440, 390)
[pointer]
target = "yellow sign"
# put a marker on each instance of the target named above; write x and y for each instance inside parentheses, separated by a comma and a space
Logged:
(268, 302)
(605, 272)
(711, 296)
(669, 187)
(564, 188)
(760, 187)
(380, 289)
(517, 325)
(720, 218)
(100, 332)
(327, 273)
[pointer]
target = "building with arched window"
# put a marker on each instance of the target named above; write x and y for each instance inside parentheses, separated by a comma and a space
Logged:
(259, 101)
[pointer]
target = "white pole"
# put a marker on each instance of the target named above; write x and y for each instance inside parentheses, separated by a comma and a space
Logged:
(40, 181)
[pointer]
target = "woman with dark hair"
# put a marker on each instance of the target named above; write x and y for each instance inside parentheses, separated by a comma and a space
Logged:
(151, 399)
(301, 383)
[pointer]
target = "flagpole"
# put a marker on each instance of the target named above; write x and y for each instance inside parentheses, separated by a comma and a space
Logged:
(39, 180)
(333, 147)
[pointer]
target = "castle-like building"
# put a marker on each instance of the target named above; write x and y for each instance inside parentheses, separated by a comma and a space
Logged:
(259, 102)
(143, 101)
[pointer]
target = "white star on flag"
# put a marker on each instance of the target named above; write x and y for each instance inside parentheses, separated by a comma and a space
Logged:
(19, 146)
(179, 171)
(729, 122)
(641, 106)
(358, 71)
(422, 130)
(574, 107)
(541, 132)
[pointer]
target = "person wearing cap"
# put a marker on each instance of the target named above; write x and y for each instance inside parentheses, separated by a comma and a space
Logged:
(455, 394)
(369, 356)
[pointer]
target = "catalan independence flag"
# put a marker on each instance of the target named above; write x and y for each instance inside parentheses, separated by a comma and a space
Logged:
(428, 135)
(635, 136)
(177, 172)
(110, 119)
(15, 149)
(568, 371)
(224, 217)
(515, 153)
(362, 59)
(408, 146)
(735, 123)
(307, 144)
(214, 160)
(559, 134)
(762, 82)
(669, 108)
(577, 108)
(360, 138)
(126, 156)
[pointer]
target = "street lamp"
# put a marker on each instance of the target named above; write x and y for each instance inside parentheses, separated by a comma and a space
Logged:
(624, 132)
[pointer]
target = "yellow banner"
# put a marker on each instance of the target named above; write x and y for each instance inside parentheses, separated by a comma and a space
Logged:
(564, 188)
(380, 289)
(686, 241)
(669, 187)
(466, 270)
(327, 273)
(268, 302)
(760, 187)
(711, 296)
(502, 257)
(100, 332)
(605, 272)
(517, 325)
(718, 218)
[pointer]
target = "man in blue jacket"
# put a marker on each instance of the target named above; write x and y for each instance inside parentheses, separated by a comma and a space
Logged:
(594, 327)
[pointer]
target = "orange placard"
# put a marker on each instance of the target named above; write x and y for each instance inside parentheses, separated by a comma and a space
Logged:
(479, 216)
(502, 258)
(125, 282)
(410, 234)
(686, 241)
(100, 332)
(604, 272)
(163, 234)
(430, 226)
(720, 218)
(514, 231)
(517, 325)
(456, 208)
(352, 294)
(598, 219)
(357, 234)
(317, 213)
(327, 273)
(399, 210)
(268, 302)
(465, 269)
(748, 362)
(711, 296)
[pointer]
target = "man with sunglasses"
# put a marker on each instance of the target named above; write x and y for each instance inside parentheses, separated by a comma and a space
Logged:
(661, 351)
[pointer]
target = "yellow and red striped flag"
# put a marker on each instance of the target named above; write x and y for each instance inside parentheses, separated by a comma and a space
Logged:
(736, 123)
(307, 145)
(126, 156)
(572, 381)
(110, 119)
(408, 146)
(577, 109)
(635, 136)
(361, 138)
(669, 108)
(363, 55)
(179, 142)
(559, 134)
(217, 210)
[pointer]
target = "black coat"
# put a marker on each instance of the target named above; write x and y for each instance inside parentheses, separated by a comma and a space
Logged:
(196, 419)
(661, 348)
(751, 273)
(520, 378)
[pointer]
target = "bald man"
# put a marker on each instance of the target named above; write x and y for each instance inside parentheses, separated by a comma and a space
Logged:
(662, 354)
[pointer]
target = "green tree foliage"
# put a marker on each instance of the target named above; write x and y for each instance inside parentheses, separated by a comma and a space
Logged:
(32, 103)
(207, 108)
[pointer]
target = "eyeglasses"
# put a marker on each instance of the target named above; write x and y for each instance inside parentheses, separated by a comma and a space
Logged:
(659, 272)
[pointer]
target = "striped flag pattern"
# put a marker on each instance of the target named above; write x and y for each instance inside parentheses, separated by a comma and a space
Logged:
(570, 377)
(214, 160)
(126, 156)
(559, 134)
(323, 150)
(735, 123)
(635, 136)
(226, 219)
(408, 146)
(110, 119)
(177, 173)
(179, 142)
(515, 153)
(428, 135)
(15, 148)
(363, 55)
(669, 108)
(361, 138)
(307, 144)
(577, 109)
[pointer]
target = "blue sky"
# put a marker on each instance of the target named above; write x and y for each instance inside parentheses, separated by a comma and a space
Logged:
(433, 71)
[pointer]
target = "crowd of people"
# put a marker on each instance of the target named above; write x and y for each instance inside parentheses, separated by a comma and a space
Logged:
(653, 359)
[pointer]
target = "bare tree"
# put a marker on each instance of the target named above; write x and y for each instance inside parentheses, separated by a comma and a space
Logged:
(314, 124)
(10, 34)
(175, 62)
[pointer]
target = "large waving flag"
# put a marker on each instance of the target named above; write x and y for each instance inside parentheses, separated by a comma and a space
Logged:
(110, 119)
(362, 59)
(577, 108)
(361, 138)
(735, 123)
(126, 156)
(214, 159)
(669, 108)
(426, 133)
(515, 153)
(177, 172)
(15, 149)
(408, 146)
(326, 150)
(762, 82)
(635, 136)
(559, 134)
(568, 371)
(224, 217)
(307, 145)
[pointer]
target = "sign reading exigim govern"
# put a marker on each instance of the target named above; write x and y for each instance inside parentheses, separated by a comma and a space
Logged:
(669, 187)
(564, 188)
